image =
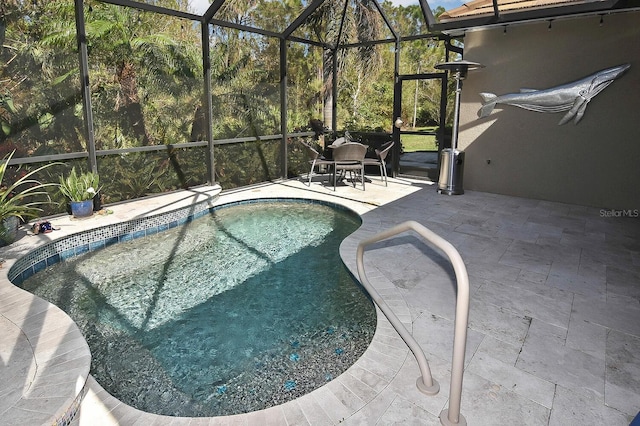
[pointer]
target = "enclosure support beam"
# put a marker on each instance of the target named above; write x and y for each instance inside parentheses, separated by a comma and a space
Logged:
(81, 37)
(206, 102)
(397, 111)
(283, 107)
(149, 7)
(302, 18)
(334, 89)
(428, 14)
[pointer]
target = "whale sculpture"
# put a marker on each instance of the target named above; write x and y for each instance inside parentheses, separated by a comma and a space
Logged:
(572, 97)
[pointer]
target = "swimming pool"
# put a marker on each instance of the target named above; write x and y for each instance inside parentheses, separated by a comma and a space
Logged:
(268, 312)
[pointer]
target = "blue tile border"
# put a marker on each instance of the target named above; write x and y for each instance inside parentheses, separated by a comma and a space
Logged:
(97, 238)
(69, 416)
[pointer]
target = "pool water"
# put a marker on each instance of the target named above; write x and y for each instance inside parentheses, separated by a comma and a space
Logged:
(237, 311)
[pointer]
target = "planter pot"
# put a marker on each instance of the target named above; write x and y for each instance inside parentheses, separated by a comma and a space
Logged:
(8, 230)
(81, 208)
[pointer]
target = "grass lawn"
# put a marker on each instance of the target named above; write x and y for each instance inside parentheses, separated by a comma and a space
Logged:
(412, 143)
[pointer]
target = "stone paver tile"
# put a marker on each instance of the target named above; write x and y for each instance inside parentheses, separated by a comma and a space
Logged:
(22, 311)
(492, 271)
(527, 261)
(44, 389)
(525, 303)
(403, 412)
(436, 295)
(10, 397)
(380, 364)
(344, 394)
(435, 335)
(396, 351)
(500, 350)
(481, 248)
(543, 357)
(485, 402)
(622, 386)
(332, 404)
(235, 420)
(294, 415)
(514, 379)
(372, 412)
(357, 387)
(587, 337)
(20, 416)
(496, 321)
(611, 314)
(570, 408)
(273, 416)
(313, 412)
(368, 377)
(46, 324)
(578, 284)
(623, 281)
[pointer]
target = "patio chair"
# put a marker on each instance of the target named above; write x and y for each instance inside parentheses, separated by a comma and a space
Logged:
(315, 159)
(380, 160)
(349, 157)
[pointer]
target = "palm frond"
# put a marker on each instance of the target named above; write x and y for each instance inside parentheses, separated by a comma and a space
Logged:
(14, 195)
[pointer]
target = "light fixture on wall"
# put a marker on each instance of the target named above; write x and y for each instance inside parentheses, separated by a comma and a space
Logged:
(550, 21)
(601, 20)
(504, 31)
(446, 182)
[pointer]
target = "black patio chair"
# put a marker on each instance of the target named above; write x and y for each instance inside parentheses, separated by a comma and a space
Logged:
(349, 157)
(315, 159)
(381, 155)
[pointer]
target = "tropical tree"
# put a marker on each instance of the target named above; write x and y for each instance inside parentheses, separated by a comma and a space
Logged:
(38, 114)
(422, 103)
(338, 22)
(123, 45)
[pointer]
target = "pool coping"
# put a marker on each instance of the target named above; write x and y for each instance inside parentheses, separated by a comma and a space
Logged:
(381, 357)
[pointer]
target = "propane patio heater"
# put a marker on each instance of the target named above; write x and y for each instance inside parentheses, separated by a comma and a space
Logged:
(452, 160)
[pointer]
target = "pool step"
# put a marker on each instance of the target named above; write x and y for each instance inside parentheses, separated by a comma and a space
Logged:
(46, 360)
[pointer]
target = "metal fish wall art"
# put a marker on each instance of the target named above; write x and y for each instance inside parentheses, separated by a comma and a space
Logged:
(572, 97)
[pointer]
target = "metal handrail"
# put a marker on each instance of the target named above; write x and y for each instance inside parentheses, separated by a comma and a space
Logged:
(425, 382)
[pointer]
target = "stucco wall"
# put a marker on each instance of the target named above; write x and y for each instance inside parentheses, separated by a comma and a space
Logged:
(594, 163)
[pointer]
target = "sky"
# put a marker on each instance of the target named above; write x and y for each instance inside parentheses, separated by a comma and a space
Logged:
(200, 6)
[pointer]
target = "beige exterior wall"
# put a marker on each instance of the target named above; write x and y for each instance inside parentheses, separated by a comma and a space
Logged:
(524, 153)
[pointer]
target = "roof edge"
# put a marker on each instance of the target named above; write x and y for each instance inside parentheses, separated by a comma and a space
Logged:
(458, 25)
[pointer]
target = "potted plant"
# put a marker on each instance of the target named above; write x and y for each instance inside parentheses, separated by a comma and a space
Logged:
(80, 188)
(16, 199)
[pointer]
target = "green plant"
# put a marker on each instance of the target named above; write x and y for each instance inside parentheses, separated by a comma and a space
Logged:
(17, 198)
(79, 187)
